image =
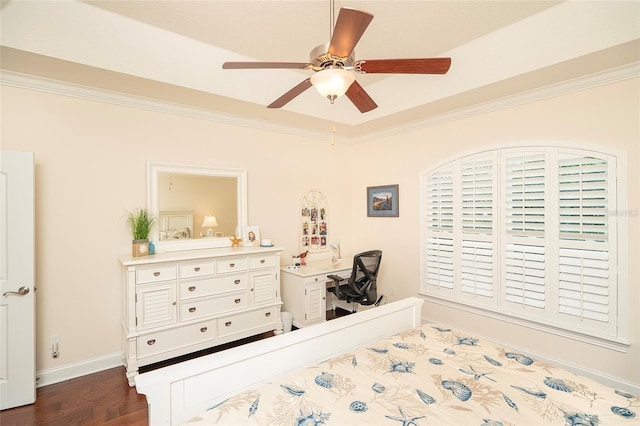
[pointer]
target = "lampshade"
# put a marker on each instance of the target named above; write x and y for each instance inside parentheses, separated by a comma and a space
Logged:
(209, 221)
(332, 82)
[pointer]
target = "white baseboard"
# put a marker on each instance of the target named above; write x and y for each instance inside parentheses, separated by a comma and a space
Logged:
(71, 371)
(605, 379)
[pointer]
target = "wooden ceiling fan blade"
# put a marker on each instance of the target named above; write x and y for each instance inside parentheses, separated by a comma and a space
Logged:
(360, 98)
(406, 66)
(264, 65)
(350, 26)
(287, 97)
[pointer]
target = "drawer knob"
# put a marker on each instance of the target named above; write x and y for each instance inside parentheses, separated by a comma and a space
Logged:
(262, 260)
(197, 269)
(192, 288)
(203, 329)
(227, 324)
(192, 310)
(236, 282)
(232, 265)
(156, 274)
(237, 300)
(267, 314)
(151, 342)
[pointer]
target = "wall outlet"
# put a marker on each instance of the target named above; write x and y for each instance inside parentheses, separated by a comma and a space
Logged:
(55, 346)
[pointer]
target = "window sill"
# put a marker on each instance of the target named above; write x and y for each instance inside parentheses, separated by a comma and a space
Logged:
(619, 345)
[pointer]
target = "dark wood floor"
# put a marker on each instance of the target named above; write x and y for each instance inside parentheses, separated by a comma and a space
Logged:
(103, 398)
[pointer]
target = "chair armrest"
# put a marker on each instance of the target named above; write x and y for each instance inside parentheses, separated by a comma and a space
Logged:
(336, 286)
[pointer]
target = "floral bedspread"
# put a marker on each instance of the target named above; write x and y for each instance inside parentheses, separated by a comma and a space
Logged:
(430, 375)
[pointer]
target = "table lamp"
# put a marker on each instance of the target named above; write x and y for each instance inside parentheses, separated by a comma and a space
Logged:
(336, 247)
(209, 222)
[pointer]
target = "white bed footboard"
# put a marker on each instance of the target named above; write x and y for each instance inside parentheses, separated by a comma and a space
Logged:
(178, 392)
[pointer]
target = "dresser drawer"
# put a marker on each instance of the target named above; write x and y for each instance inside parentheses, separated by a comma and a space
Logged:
(231, 265)
(265, 261)
(163, 341)
(199, 308)
(199, 269)
(321, 278)
(210, 286)
(155, 274)
(237, 323)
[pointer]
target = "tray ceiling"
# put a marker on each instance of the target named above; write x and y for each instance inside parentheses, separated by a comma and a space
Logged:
(172, 51)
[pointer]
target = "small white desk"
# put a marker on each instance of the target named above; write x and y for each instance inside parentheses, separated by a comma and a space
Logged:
(304, 290)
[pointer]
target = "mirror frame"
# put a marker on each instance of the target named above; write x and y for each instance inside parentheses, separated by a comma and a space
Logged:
(153, 172)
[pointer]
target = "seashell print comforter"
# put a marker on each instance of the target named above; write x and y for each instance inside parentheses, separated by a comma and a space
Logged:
(430, 375)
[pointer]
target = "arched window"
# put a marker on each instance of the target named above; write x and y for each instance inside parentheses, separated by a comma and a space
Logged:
(535, 234)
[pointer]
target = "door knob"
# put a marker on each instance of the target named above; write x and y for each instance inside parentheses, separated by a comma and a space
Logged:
(21, 292)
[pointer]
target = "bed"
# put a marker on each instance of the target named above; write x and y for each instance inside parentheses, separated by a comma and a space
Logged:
(175, 225)
(379, 366)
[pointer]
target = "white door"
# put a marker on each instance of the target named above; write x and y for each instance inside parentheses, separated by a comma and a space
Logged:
(17, 280)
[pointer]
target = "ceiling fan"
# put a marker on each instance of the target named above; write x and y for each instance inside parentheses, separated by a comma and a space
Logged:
(334, 62)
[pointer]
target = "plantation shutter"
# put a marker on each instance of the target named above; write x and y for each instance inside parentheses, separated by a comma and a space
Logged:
(524, 254)
(583, 198)
(439, 248)
(528, 232)
(525, 275)
(476, 217)
(525, 194)
(586, 274)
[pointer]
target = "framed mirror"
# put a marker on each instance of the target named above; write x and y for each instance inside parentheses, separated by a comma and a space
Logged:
(195, 206)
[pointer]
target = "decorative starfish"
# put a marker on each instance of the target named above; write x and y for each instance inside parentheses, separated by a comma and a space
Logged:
(235, 241)
(405, 419)
(476, 374)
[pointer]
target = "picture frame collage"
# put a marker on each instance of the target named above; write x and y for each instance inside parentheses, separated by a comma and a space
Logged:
(314, 222)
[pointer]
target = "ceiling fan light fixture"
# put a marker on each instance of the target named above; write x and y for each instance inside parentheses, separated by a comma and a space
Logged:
(332, 82)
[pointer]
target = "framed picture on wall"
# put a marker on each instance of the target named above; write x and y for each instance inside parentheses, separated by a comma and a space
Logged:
(251, 236)
(382, 201)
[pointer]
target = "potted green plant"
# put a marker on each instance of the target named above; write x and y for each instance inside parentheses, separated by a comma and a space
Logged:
(140, 222)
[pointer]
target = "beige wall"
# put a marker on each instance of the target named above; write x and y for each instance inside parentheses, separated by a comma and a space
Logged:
(91, 164)
(91, 168)
(608, 115)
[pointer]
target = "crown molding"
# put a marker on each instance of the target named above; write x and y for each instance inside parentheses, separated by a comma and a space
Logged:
(31, 82)
(591, 81)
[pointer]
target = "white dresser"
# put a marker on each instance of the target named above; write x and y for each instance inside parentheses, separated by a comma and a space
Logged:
(304, 290)
(181, 302)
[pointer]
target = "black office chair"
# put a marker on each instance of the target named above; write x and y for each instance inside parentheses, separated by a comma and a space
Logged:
(361, 286)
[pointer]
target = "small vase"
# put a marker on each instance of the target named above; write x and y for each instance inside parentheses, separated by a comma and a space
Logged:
(140, 247)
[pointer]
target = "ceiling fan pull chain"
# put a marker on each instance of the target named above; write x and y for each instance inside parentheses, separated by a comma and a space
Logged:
(333, 132)
(332, 16)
